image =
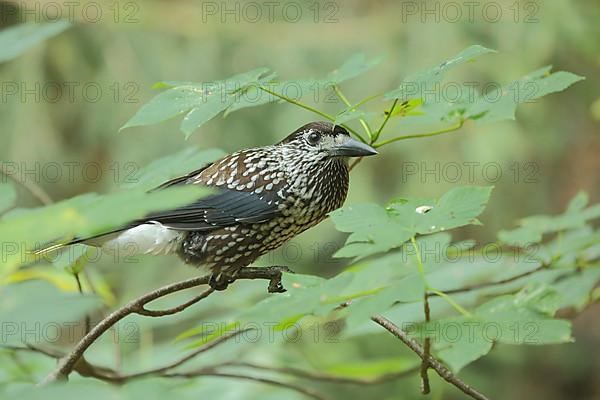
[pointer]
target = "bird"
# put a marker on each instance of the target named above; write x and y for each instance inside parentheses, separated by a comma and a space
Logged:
(262, 197)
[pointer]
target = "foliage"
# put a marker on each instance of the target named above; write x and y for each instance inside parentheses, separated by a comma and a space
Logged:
(403, 256)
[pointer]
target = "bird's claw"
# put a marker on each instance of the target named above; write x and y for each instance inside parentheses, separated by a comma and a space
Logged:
(220, 281)
(275, 285)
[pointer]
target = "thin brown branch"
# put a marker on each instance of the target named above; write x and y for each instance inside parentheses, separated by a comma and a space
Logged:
(210, 372)
(88, 319)
(184, 359)
(434, 364)
(354, 163)
(35, 190)
(425, 387)
(137, 306)
(385, 121)
(300, 373)
(170, 311)
(34, 349)
(489, 284)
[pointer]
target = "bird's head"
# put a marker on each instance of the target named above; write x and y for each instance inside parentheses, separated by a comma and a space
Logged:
(324, 140)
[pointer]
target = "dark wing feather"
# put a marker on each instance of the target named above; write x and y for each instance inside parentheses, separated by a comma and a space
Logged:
(226, 208)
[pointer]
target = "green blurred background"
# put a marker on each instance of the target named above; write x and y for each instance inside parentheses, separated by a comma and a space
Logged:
(545, 157)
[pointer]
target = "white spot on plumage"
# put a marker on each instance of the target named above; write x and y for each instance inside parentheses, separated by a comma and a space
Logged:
(150, 238)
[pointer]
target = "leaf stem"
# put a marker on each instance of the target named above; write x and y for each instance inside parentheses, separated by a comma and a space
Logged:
(367, 99)
(418, 135)
(387, 117)
(453, 303)
(362, 121)
(443, 295)
(314, 110)
(299, 104)
(419, 260)
(34, 189)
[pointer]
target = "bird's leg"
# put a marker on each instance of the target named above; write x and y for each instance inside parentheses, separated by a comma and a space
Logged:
(275, 285)
(272, 273)
(220, 280)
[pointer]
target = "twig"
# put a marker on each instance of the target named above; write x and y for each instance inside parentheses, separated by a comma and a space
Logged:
(418, 135)
(300, 373)
(183, 360)
(67, 364)
(88, 320)
(209, 372)
(425, 387)
(375, 136)
(488, 284)
(355, 163)
(434, 364)
(35, 190)
(170, 311)
(312, 109)
(387, 117)
(345, 100)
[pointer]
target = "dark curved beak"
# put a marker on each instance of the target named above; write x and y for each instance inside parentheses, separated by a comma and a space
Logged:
(353, 148)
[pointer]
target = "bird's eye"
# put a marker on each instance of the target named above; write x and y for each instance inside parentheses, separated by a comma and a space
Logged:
(314, 138)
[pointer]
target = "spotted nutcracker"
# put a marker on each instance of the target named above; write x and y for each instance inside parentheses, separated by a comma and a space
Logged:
(265, 196)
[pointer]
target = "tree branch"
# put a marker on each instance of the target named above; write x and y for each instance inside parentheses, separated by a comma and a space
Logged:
(300, 373)
(425, 387)
(210, 372)
(35, 190)
(137, 306)
(489, 284)
(434, 364)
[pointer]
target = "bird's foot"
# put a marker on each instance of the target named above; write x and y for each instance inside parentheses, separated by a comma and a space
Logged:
(275, 285)
(220, 280)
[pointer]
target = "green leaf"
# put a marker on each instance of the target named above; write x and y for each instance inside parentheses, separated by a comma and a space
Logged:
(501, 103)
(522, 318)
(200, 102)
(72, 259)
(41, 309)
(576, 290)
(356, 65)
(523, 236)
(459, 341)
(413, 86)
(253, 96)
(8, 196)
(408, 107)
(207, 111)
(578, 202)
(526, 317)
(352, 114)
(408, 289)
(532, 228)
(16, 40)
(374, 229)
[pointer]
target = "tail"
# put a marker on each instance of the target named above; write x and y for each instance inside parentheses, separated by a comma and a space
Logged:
(96, 241)
(149, 238)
